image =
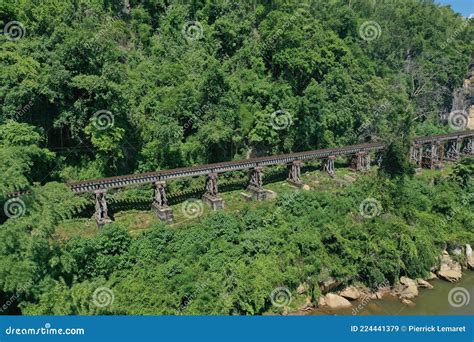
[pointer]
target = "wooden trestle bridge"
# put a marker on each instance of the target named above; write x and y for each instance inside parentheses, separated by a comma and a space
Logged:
(426, 152)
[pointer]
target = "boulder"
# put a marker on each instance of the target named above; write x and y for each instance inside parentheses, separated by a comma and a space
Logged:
(306, 187)
(321, 301)
(350, 292)
(376, 295)
(409, 292)
(450, 275)
(431, 276)
(302, 288)
(423, 283)
(469, 257)
(407, 281)
(328, 284)
(449, 270)
(407, 288)
(381, 292)
(335, 301)
(384, 290)
(456, 251)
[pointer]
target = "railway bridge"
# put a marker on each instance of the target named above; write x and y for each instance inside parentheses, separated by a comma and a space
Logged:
(426, 152)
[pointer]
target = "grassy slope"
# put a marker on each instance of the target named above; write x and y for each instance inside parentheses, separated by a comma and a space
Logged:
(139, 220)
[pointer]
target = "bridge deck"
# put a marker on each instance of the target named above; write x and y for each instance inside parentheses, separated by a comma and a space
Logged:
(150, 177)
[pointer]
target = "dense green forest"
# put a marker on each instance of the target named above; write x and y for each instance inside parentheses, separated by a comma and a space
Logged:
(93, 88)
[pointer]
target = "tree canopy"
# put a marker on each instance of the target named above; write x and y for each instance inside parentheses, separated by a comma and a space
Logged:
(95, 88)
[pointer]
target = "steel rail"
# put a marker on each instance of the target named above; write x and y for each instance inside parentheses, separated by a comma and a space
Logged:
(237, 165)
(443, 137)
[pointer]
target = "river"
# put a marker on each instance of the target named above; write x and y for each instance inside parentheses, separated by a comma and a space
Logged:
(428, 302)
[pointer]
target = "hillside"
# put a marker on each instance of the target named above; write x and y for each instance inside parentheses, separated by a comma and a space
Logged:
(98, 88)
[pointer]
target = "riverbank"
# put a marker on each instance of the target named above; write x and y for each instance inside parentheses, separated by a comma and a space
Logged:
(446, 291)
(435, 301)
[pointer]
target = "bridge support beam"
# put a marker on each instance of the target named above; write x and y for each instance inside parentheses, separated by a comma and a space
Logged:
(101, 214)
(256, 185)
(211, 197)
(360, 162)
(431, 156)
(469, 146)
(160, 203)
(441, 152)
(328, 165)
(416, 154)
(453, 149)
(294, 174)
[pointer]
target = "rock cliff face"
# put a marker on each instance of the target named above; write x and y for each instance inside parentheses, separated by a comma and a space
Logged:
(470, 124)
(463, 98)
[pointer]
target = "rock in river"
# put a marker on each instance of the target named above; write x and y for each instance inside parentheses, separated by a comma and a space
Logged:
(409, 289)
(335, 301)
(450, 275)
(350, 292)
(449, 269)
(423, 283)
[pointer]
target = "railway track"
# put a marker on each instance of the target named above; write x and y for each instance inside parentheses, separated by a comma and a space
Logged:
(199, 170)
(95, 185)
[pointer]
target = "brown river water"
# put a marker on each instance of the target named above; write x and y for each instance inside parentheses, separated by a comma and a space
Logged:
(437, 301)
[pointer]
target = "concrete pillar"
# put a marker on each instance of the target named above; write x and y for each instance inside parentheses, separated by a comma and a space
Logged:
(469, 146)
(360, 161)
(453, 151)
(328, 165)
(101, 214)
(416, 154)
(440, 150)
(256, 184)
(160, 203)
(294, 174)
(366, 162)
(211, 197)
(428, 154)
(413, 151)
(430, 159)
